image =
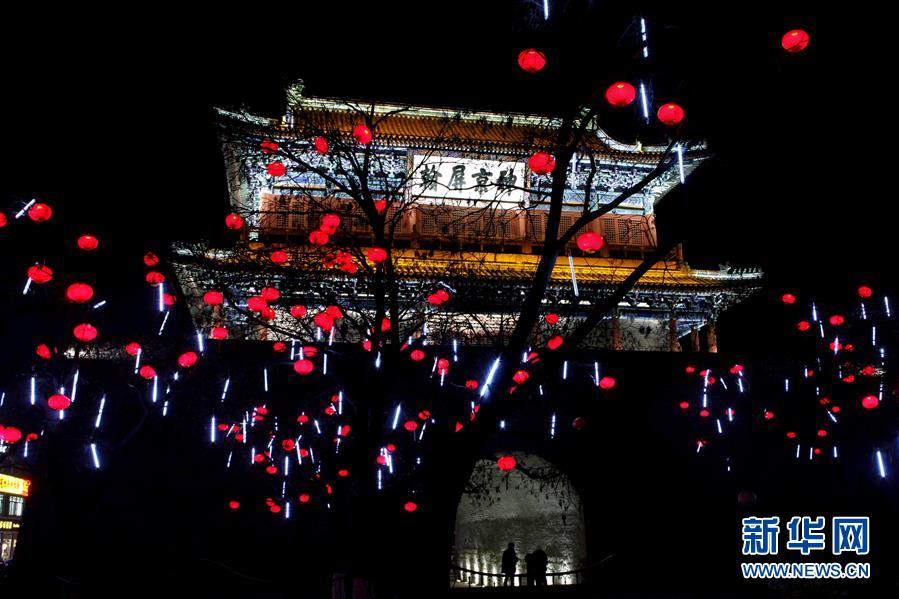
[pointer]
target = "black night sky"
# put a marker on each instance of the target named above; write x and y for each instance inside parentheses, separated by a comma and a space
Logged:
(111, 123)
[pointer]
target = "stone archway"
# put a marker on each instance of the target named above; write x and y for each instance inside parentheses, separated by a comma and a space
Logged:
(534, 506)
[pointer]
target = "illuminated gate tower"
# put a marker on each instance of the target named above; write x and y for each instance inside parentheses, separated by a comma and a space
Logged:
(468, 217)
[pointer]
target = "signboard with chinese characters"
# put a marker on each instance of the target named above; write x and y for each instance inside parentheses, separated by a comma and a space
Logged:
(12, 485)
(467, 181)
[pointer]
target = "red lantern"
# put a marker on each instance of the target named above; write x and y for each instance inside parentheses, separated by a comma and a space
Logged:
(330, 221)
(552, 318)
(869, 402)
(321, 145)
(385, 325)
(310, 351)
(303, 367)
(362, 134)
(302, 419)
(520, 376)
(58, 402)
(769, 415)
(276, 169)
(704, 413)
(410, 425)
(376, 255)
(3, 221)
(803, 325)
(410, 506)
(234, 505)
(589, 241)
(690, 369)
(736, 369)
(234, 221)
(132, 349)
(298, 311)
(79, 293)
(187, 359)
(836, 320)
(417, 355)
(219, 333)
(268, 146)
(443, 366)
(506, 463)
(40, 212)
(270, 294)
(324, 321)
(380, 206)
(318, 238)
(168, 299)
(213, 298)
(670, 114)
(822, 432)
(279, 346)
(531, 60)
(43, 351)
(684, 405)
(343, 473)
(40, 274)
(257, 304)
(85, 332)
(541, 163)
(155, 278)
(795, 40)
(279, 257)
(579, 424)
(788, 298)
(865, 292)
(88, 243)
(620, 94)
(471, 384)
(10, 434)
(146, 371)
(555, 342)
(606, 383)
(304, 498)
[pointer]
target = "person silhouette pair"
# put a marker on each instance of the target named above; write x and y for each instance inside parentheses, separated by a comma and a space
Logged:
(535, 566)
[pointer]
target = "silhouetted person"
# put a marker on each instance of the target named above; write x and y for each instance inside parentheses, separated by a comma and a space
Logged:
(529, 568)
(510, 562)
(540, 562)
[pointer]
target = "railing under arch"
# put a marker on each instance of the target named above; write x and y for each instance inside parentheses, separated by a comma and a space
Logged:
(467, 578)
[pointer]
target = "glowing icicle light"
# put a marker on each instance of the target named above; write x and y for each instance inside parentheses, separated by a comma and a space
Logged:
(165, 408)
(680, 160)
(161, 298)
(286, 510)
(540, 387)
(164, 321)
(24, 209)
(200, 345)
(730, 414)
(814, 312)
(596, 373)
(718, 423)
(252, 455)
(573, 275)
(489, 378)
(2, 398)
(644, 102)
(380, 483)
(286, 465)
(524, 356)
(317, 427)
(455, 350)
(155, 388)
(881, 467)
(378, 360)
(723, 384)
(340, 402)
(864, 313)
(95, 456)
(643, 37)
(422, 434)
(100, 411)
(821, 329)
(886, 305)
(137, 360)
(502, 425)
(873, 335)
(318, 334)
(75, 385)
(836, 345)
(325, 363)
(811, 453)
(265, 379)
(225, 389)
(705, 399)
(565, 370)
(787, 385)
(33, 384)
(546, 10)
(835, 452)
(798, 448)
(396, 416)
(552, 426)
(27, 286)
(98, 305)
(832, 417)
(212, 430)
(331, 337)
(25, 449)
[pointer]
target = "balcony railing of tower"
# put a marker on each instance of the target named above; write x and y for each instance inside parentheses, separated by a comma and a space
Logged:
(467, 578)
(453, 227)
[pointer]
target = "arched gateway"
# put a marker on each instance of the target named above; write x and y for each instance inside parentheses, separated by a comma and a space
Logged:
(534, 506)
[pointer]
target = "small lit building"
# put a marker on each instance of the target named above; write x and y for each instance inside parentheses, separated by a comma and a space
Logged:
(13, 491)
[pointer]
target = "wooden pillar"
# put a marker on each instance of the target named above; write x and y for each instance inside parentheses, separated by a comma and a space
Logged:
(711, 336)
(616, 332)
(673, 342)
(694, 339)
